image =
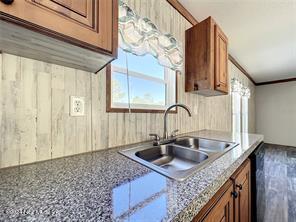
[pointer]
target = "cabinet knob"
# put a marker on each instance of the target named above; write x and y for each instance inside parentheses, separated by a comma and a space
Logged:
(195, 86)
(239, 186)
(7, 2)
(234, 194)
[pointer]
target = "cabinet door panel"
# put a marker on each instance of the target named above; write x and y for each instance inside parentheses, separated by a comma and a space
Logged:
(244, 202)
(243, 188)
(221, 60)
(220, 207)
(82, 11)
(78, 6)
(223, 210)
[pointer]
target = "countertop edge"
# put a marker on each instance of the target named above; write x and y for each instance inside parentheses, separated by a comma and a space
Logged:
(194, 207)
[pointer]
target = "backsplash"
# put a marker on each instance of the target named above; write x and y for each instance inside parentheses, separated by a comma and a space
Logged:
(34, 99)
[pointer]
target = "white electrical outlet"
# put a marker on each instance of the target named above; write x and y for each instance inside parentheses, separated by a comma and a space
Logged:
(77, 106)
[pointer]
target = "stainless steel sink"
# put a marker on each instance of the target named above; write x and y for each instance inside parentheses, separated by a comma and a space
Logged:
(179, 159)
(204, 144)
(172, 158)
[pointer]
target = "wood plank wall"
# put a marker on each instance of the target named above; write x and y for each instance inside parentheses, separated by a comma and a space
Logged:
(34, 104)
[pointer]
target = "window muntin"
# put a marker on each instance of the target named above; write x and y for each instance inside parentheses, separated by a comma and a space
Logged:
(151, 86)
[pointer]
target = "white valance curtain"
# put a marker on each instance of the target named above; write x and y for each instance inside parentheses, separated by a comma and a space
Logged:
(140, 36)
(238, 87)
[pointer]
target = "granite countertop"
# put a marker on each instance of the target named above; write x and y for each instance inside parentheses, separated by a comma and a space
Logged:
(106, 186)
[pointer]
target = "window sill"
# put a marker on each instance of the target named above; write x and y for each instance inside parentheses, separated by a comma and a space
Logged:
(124, 110)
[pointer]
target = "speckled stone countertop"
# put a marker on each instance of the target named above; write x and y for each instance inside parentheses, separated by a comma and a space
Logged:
(106, 186)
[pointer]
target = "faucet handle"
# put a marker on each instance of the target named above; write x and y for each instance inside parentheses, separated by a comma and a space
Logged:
(156, 137)
(174, 133)
(156, 140)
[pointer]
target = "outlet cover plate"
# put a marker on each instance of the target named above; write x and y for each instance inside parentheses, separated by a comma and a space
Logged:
(77, 106)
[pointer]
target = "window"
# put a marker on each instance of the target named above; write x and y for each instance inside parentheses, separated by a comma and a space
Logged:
(240, 106)
(140, 84)
(236, 112)
(245, 114)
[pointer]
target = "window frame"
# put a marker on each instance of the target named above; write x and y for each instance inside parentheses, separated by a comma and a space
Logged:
(111, 109)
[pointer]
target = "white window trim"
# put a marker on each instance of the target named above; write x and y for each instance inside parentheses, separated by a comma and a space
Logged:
(170, 79)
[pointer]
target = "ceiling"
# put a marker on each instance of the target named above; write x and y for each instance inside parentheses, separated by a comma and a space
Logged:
(261, 33)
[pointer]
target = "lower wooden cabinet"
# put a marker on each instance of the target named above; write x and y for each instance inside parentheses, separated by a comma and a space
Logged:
(242, 183)
(220, 207)
(232, 203)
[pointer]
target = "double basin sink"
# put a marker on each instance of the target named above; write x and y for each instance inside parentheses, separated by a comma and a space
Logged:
(180, 158)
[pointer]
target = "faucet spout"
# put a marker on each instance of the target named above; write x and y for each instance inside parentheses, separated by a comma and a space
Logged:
(165, 131)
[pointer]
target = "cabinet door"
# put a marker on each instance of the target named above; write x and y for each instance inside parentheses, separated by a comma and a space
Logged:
(221, 60)
(220, 208)
(81, 11)
(243, 188)
(223, 210)
(87, 23)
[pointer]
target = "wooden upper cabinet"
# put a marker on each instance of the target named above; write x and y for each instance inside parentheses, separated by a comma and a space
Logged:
(206, 59)
(86, 21)
(89, 24)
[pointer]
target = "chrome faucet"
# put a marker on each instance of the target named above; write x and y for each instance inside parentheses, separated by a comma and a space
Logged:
(165, 130)
(166, 138)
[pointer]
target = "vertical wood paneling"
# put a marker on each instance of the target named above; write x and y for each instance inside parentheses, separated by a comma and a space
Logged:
(88, 112)
(1, 147)
(120, 133)
(100, 125)
(1, 108)
(69, 122)
(34, 104)
(43, 116)
(11, 67)
(10, 106)
(27, 113)
(57, 118)
(82, 142)
(95, 111)
(113, 129)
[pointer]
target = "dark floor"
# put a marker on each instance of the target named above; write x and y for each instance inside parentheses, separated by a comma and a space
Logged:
(276, 184)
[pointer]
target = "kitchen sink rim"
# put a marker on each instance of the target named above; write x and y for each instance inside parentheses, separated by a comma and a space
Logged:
(130, 153)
